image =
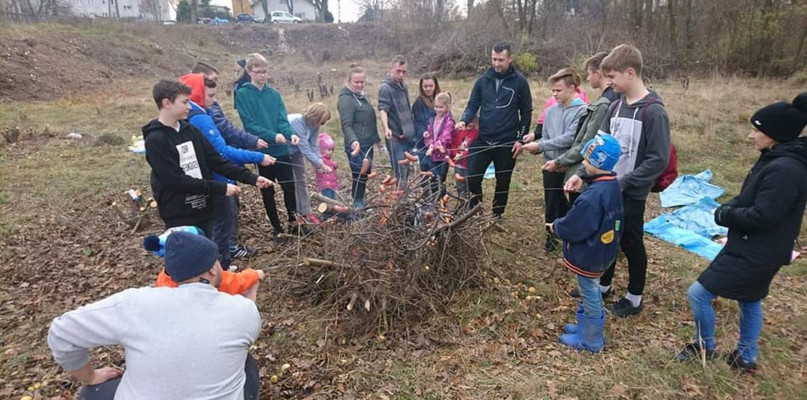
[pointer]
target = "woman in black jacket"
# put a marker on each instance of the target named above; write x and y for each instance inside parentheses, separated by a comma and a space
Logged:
(764, 221)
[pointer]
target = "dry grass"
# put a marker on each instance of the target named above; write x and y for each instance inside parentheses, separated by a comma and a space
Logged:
(493, 344)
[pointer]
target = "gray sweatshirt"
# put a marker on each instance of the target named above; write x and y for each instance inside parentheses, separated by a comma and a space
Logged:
(643, 131)
(560, 124)
(309, 140)
(189, 342)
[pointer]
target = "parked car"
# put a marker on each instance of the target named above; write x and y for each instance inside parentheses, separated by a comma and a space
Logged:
(219, 21)
(169, 22)
(283, 17)
(245, 19)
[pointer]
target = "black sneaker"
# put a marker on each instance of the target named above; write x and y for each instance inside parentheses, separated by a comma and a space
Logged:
(693, 352)
(576, 293)
(242, 251)
(736, 362)
(624, 308)
(277, 238)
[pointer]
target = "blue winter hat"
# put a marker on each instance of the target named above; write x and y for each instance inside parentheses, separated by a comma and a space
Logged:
(602, 152)
(188, 255)
(156, 244)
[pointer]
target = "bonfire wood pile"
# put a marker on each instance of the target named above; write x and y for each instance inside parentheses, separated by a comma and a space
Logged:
(398, 260)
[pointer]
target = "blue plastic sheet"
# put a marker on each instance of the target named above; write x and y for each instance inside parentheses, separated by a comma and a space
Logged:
(689, 189)
(691, 241)
(490, 173)
(698, 218)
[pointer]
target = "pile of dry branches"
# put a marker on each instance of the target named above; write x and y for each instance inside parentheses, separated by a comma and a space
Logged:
(399, 259)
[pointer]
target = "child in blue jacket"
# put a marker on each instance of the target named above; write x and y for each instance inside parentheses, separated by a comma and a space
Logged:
(590, 232)
(203, 94)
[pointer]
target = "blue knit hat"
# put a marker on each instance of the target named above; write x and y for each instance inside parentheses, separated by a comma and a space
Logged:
(602, 152)
(188, 255)
(156, 244)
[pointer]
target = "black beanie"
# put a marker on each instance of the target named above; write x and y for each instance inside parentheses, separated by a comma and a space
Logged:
(782, 121)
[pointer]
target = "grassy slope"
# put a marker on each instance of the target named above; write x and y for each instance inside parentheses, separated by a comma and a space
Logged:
(500, 344)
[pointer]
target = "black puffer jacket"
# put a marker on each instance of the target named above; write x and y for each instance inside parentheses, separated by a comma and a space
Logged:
(764, 221)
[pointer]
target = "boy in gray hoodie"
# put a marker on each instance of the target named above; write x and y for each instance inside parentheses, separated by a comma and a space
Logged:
(639, 121)
(560, 124)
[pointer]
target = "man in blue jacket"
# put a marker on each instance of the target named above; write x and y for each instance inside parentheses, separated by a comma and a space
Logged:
(203, 94)
(233, 136)
(502, 97)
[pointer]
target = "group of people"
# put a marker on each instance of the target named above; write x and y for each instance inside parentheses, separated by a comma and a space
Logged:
(601, 160)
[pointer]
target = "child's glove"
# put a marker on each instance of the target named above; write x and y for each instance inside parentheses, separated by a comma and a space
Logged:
(156, 244)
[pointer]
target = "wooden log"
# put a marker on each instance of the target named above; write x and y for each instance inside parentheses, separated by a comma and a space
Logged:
(323, 199)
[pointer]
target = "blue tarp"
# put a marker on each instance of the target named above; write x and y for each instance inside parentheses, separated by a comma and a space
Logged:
(698, 218)
(692, 226)
(667, 231)
(689, 189)
(490, 173)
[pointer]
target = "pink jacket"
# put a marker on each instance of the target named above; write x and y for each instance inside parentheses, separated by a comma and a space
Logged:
(327, 180)
(440, 136)
(551, 101)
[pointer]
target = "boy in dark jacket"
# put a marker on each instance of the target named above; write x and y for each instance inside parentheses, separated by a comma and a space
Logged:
(764, 221)
(590, 232)
(182, 163)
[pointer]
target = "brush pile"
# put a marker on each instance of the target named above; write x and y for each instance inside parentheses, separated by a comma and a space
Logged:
(394, 262)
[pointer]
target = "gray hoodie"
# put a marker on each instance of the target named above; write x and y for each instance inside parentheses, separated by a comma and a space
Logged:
(643, 130)
(393, 98)
(560, 124)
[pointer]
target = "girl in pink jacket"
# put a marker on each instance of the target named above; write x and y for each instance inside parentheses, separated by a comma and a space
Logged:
(437, 138)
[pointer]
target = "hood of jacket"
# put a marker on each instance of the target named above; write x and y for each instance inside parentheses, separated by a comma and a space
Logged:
(155, 125)
(492, 74)
(357, 97)
(197, 85)
(796, 149)
(394, 84)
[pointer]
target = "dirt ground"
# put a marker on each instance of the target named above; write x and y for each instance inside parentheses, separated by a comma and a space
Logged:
(62, 246)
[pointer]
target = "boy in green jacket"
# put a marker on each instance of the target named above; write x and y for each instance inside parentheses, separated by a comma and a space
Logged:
(263, 114)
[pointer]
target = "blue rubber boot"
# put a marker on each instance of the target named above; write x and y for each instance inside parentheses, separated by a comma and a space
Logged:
(589, 335)
(592, 331)
(572, 328)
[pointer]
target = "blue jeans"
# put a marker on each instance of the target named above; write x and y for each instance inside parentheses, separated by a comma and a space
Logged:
(590, 296)
(700, 301)
(438, 180)
(396, 149)
(106, 390)
(224, 212)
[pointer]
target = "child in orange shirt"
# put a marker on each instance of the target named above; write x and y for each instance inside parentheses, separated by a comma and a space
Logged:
(245, 283)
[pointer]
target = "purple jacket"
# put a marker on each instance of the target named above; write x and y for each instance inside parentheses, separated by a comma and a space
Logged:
(440, 136)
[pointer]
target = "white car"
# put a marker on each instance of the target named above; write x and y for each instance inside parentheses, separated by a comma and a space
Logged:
(283, 17)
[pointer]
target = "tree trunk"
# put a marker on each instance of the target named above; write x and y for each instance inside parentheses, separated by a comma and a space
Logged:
(671, 6)
(470, 5)
(688, 27)
(265, 6)
(194, 10)
(798, 60)
(290, 6)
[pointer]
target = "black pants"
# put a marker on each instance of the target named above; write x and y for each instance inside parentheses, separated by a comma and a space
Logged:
(282, 174)
(632, 245)
(555, 203)
(480, 155)
(106, 390)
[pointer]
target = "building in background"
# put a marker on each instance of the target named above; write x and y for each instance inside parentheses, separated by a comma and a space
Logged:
(302, 8)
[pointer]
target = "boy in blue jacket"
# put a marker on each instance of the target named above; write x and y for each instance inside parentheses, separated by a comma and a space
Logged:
(590, 232)
(203, 95)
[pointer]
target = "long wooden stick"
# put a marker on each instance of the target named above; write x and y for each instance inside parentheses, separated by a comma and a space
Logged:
(323, 199)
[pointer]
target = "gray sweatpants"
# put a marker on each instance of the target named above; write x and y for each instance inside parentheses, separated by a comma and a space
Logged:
(300, 184)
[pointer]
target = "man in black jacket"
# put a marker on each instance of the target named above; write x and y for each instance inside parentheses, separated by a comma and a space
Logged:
(182, 162)
(502, 97)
